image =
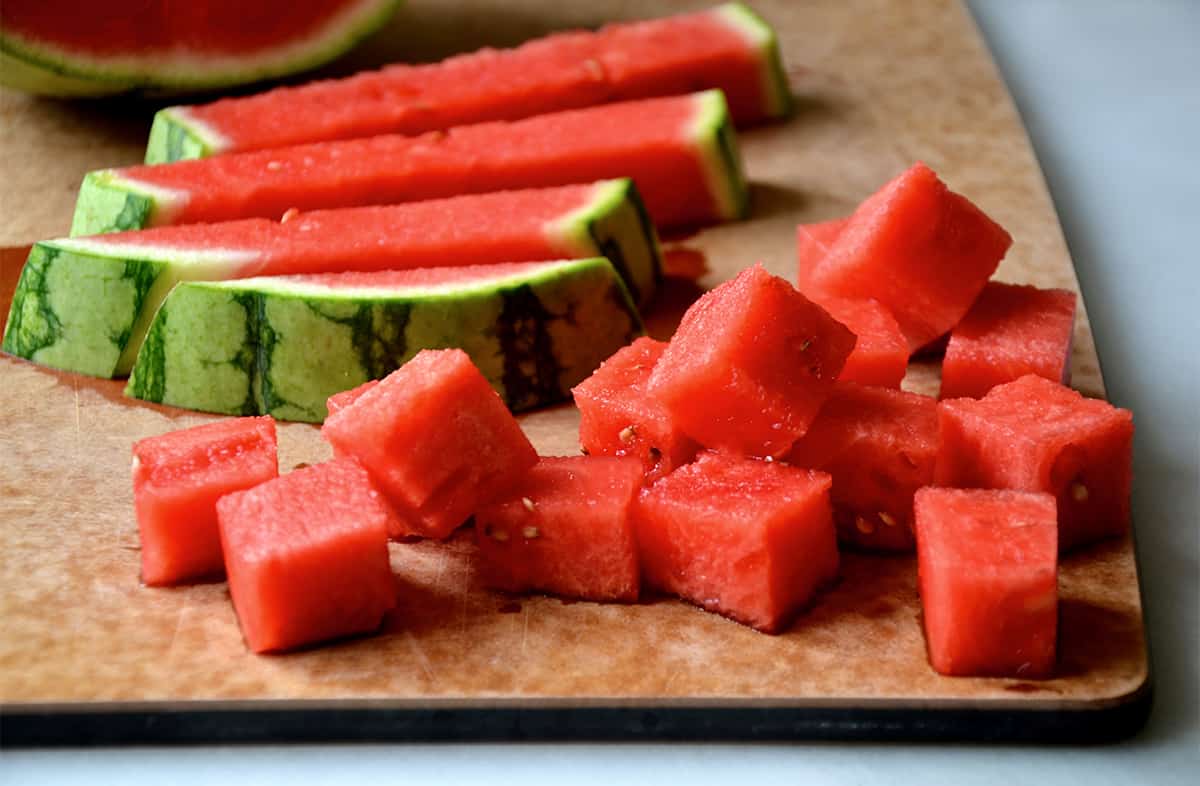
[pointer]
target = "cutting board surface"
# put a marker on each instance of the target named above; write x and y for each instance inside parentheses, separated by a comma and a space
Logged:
(878, 85)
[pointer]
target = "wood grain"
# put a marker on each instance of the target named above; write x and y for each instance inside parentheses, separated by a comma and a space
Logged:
(878, 85)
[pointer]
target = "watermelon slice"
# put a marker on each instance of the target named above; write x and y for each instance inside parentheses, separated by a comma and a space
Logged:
(339, 401)
(917, 247)
(749, 539)
(178, 478)
(750, 365)
(880, 354)
(436, 438)
(307, 556)
(681, 151)
(728, 47)
(283, 345)
(564, 528)
(1036, 435)
(988, 565)
(84, 304)
(1011, 331)
(619, 417)
(879, 445)
(68, 48)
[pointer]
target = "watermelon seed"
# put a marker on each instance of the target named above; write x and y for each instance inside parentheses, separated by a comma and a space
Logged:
(288, 215)
(864, 526)
(528, 503)
(1079, 492)
(594, 68)
(887, 518)
(769, 459)
(274, 165)
(500, 535)
(626, 435)
(807, 343)
(530, 533)
(584, 451)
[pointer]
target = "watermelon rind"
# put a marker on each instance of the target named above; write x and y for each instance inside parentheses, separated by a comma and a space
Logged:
(722, 161)
(110, 203)
(615, 225)
(43, 69)
(84, 306)
(282, 345)
(761, 35)
(175, 135)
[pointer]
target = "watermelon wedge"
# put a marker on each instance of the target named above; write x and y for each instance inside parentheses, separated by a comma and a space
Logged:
(84, 304)
(283, 345)
(681, 151)
(728, 47)
(307, 556)
(68, 48)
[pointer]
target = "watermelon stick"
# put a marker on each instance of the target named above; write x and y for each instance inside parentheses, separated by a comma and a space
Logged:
(83, 304)
(681, 152)
(728, 47)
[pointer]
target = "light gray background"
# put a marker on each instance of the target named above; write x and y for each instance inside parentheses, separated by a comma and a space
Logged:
(1110, 92)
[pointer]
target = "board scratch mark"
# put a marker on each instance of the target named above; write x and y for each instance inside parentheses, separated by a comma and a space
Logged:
(419, 652)
(179, 620)
(526, 613)
(78, 429)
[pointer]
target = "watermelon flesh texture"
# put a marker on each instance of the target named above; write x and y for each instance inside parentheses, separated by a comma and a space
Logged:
(813, 242)
(1038, 436)
(749, 539)
(917, 247)
(77, 297)
(178, 478)
(681, 152)
(988, 573)
(879, 445)
(564, 528)
(619, 417)
(307, 556)
(728, 48)
(750, 365)
(283, 345)
(1011, 331)
(880, 354)
(67, 48)
(436, 438)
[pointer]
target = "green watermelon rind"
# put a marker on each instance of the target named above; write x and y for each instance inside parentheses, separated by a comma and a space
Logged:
(52, 72)
(108, 202)
(715, 138)
(615, 224)
(177, 136)
(281, 346)
(762, 36)
(84, 306)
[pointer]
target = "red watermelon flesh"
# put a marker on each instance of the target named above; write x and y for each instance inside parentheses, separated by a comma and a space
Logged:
(619, 417)
(879, 445)
(750, 365)
(880, 354)
(1037, 435)
(988, 566)
(339, 401)
(564, 528)
(750, 539)
(664, 144)
(436, 438)
(1011, 331)
(917, 247)
(178, 478)
(725, 47)
(813, 242)
(307, 556)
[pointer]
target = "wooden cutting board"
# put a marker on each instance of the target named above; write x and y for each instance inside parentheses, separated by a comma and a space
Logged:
(88, 654)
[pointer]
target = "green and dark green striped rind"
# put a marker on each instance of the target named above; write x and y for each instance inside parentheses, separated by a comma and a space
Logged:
(109, 203)
(77, 312)
(716, 139)
(774, 79)
(176, 137)
(278, 347)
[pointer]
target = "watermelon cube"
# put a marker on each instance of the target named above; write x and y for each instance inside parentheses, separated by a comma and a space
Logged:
(339, 401)
(436, 438)
(1011, 331)
(178, 478)
(988, 567)
(1037, 435)
(618, 417)
(813, 242)
(753, 540)
(750, 365)
(565, 528)
(880, 446)
(917, 247)
(307, 556)
(880, 355)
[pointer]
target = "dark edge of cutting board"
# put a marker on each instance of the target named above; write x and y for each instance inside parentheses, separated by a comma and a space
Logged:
(271, 722)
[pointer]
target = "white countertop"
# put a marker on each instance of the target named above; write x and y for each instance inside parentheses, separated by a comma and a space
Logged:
(1110, 92)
